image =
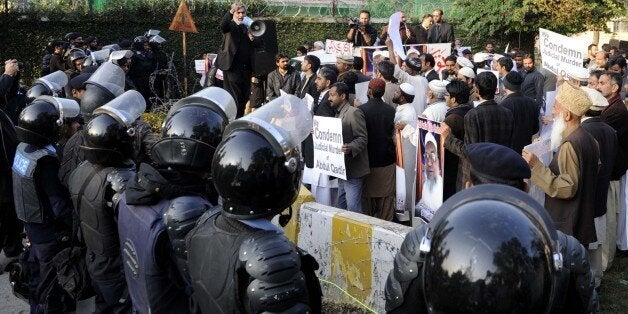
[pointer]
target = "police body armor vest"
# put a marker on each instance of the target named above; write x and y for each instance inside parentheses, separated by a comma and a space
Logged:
(28, 205)
(151, 288)
(98, 221)
(237, 269)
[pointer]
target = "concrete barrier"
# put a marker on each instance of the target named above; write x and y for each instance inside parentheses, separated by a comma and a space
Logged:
(355, 252)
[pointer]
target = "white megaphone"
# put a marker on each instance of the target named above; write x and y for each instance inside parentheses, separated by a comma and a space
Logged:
(257, 28)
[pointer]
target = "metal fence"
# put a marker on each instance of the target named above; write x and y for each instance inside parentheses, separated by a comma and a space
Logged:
(348, 8)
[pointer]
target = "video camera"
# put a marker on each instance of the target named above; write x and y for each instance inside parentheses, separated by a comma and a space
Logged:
(355, 22)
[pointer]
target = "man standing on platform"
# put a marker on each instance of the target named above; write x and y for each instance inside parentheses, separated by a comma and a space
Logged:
(236, 55)
(441, 31)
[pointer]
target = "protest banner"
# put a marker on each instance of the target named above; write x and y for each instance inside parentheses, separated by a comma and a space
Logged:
(338, 47)
(327, 138)
(429, 175)
(438, 51)
(561, 54)
(393, 33)
(542, 149)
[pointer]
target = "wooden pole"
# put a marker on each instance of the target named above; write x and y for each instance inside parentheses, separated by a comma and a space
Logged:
(185, 68)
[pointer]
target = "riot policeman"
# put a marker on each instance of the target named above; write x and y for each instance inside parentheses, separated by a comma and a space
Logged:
(41, 202)
(49, 85)
(490, 249)
(163, 203)
(257, 173)
(141, 67)
(103, 86)
(160, 60)
(96, 186)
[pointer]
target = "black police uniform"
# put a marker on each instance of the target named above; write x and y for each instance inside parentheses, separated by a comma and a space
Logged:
(229, 251)
(41, 202)
(490, 249)
(155, 213)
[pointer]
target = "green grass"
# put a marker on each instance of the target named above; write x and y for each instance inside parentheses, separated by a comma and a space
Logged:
(614, 288)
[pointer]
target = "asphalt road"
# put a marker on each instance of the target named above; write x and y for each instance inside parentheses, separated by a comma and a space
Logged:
(8, 302)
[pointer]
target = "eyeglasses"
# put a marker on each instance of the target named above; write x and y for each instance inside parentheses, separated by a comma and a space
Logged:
(430, 156)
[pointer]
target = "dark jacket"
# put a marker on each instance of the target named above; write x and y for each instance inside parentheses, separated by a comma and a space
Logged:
(455, 166)
(421, 34)
(616, 115)
(608, 145)
(525, 116)
(488, 122)
(358, 40)
(275, 83)
(308, 86)
(8, 144)
(574, 216)
(532, 86)
(379, 117)
(441, 33)
(432, 75)
(233, 35)
(355, 136)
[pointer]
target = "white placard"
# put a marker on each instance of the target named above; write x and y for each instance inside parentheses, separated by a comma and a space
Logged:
(561, 54)
(541, 149)
(199, 66)
(361, 92)
(328, 156)
(338, 47)
(395, 36)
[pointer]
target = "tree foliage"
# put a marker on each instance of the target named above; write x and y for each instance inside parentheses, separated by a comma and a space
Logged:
(492, 18)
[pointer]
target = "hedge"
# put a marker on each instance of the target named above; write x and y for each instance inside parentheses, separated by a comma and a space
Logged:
(28, 35)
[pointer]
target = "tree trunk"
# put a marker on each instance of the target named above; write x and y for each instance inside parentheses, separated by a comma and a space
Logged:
(596, 37)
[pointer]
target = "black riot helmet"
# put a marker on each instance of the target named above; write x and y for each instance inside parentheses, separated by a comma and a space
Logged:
(49, 85)
(193, 129)
(109, 135)
(103, 86)
(490, 249)
(40, 122)
(257, 167)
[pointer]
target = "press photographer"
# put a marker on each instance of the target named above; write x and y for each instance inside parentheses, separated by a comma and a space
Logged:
(361, 33)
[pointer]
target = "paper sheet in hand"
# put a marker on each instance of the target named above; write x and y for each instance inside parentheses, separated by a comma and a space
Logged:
(546, 129)
(395, 36)
(309, 100)
(328, 156)
(361, 90)
(541, 149)
(199, 66)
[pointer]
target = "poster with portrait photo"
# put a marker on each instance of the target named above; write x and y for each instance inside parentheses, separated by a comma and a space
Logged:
(438, 51)
(430, 165)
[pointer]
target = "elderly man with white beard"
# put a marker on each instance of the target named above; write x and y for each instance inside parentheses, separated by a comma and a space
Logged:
(570, 181)
(432, 189)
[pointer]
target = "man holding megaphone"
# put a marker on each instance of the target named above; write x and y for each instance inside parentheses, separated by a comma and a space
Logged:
(236, 54)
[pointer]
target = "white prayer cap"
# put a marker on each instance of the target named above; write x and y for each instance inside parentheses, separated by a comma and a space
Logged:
(411, 51)
(578, 74)
(468, 72)
(464, 62)
(598, 100)
(438, 86)
(480, 57)
(407, 88)
(382, 53)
